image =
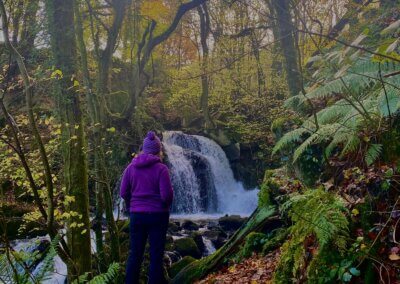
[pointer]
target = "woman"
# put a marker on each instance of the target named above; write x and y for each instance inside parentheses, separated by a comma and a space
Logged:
(147, 191)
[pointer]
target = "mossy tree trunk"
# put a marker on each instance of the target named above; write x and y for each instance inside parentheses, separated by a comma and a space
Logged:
(285, 31)
(60, 15)
(99, 122)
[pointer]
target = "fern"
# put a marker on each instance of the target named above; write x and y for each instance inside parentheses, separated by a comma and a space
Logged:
(47, 265)
(363, 98)
(289, 139)
(107, 277)
(388, 101)
(373, 153)
(315, 213)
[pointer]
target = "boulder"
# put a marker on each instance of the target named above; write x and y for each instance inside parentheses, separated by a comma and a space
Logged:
(178, 266)
(190, 225)
(232, 152)
(173, 227)
(187, 246)
(217, 236)
(198, 239)
(231, 223)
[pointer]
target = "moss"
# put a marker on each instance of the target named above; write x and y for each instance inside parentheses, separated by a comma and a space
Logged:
(187, 246)
(269, 189)
(253, 243)
(278, 236)
(178, 266)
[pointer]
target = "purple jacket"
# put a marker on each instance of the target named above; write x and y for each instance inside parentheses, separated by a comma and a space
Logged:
(146, 185)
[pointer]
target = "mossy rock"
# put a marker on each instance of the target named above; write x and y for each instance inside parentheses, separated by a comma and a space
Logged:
(198, 239)
(187, 247)
(200, 268)
(178, 266)
(190, 225)
(173, 227)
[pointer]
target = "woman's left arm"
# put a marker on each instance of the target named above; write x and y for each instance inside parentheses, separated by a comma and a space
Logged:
(125, 190)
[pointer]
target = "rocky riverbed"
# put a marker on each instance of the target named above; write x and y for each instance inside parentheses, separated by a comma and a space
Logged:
(187, 240)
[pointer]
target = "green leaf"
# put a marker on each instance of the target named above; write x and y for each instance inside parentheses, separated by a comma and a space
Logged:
(355, 271)
(347, 277)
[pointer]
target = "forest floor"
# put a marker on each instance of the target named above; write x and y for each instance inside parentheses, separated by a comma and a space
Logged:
(255, 269)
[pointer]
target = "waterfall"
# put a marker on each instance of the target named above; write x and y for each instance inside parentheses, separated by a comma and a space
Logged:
(208, 246)
(39, 245)
(202, 178)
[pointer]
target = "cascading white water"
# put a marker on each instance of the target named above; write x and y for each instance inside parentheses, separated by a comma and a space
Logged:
(29, 246)
(208, 246)
(200, 170)
(183, 178)
(232, 197)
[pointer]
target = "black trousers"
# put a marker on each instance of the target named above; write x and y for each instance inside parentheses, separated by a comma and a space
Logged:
(143, 226)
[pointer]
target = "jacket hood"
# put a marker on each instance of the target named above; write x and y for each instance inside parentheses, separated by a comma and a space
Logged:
(145, 160)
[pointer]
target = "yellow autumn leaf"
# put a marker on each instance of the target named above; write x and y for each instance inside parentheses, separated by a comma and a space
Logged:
(355, 212)
(394, 257)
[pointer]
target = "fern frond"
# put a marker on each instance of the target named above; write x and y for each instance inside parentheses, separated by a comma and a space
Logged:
(289, 138)
(373, 153)
(388, 101)
(45, 268)
(107, 277)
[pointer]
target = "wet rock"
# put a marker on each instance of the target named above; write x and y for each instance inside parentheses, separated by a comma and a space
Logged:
(231, 223)
(173, 227)
(190, 225)
(217, 236)
(202, 169)
(232, 152)
(198, 239)
(171, 257)
(187, 246)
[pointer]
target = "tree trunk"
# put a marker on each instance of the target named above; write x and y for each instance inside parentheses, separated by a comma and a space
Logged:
(204, 32)
(255, 46)
(29, 28)
(60, 15)
(287, 43)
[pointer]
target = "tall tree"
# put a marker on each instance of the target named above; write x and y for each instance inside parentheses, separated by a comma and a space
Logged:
(144, 50)
(60, 15)
(204, 33)
(282, 11)
(97, 111)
